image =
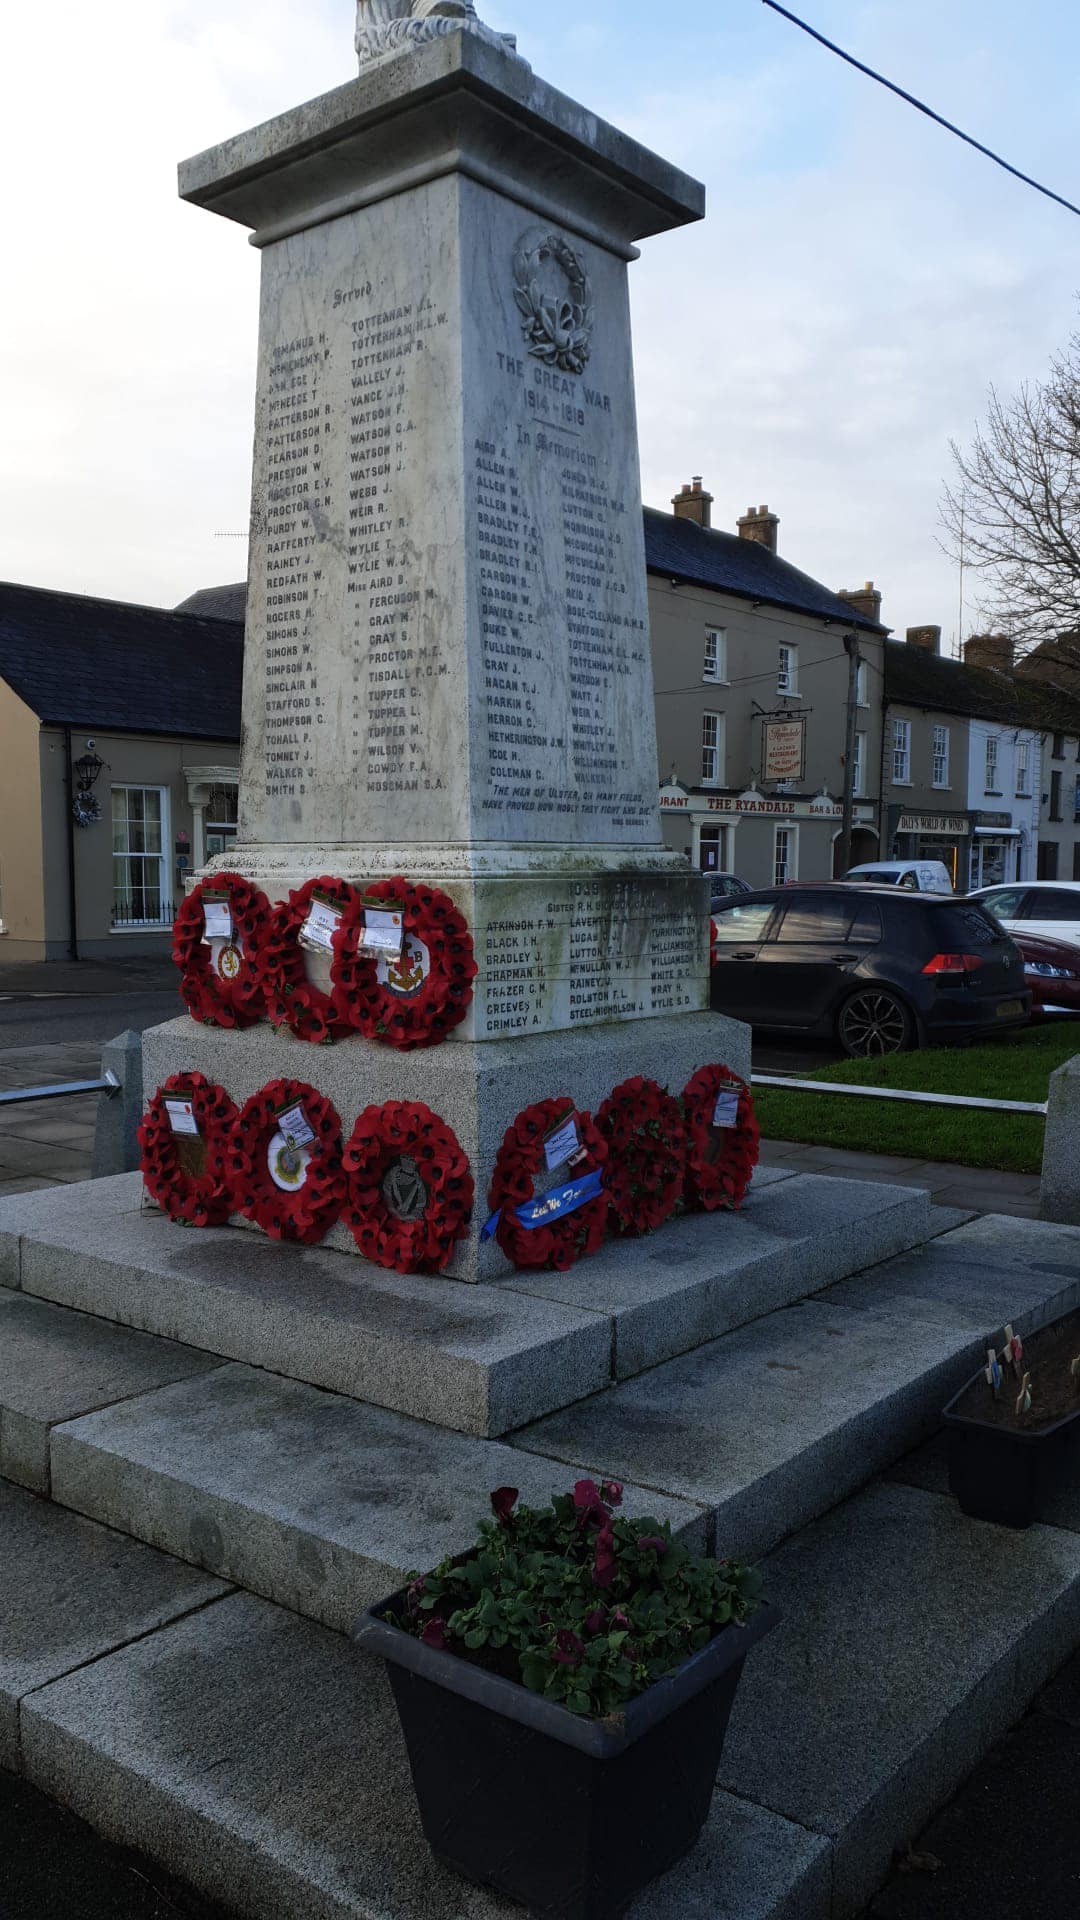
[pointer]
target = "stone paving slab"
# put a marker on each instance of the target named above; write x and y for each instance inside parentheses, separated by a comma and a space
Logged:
(70, 1591)
(911, 1639)
(472, 1358)
(55, 1365)
(771, 1425)
(699, 1277)
(307, 1498)
(259, 1757)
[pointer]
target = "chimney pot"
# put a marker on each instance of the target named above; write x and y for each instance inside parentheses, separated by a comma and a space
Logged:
(759, 524)
(693, 503)
(865, 600)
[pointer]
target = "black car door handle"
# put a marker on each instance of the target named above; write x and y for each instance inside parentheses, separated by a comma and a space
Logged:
(751, 954)
(841, 956)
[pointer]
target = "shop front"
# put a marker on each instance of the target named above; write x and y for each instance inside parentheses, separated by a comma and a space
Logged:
(767, 839)
(933, 836)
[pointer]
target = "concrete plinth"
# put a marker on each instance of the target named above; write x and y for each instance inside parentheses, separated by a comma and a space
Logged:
(477, 1089)
(1059, 1194)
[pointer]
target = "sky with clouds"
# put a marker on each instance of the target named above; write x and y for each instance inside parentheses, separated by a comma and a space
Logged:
(859, 281)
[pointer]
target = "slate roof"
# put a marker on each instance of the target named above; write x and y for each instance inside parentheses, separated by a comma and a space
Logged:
(916, 678)
(82, 662)
(706, 557)
(218, 603)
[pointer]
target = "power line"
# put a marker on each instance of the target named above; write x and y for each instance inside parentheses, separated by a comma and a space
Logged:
(754, 679)
(922, 107)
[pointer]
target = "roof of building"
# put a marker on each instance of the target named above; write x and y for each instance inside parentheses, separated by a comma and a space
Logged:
(83, 662)
(916, 677)
(705, 557)
(217, 603)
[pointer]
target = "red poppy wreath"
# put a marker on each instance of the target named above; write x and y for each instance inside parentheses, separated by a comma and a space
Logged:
(562, 1236)
(314, 911)
(216, 941)
(723, 1138)
(284, 1162)
(409, 994)
(409, 1190)
(184, 1138)
(646, 1138)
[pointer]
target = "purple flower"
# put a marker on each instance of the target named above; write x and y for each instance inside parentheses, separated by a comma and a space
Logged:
(594, 1621)
(568, 1649)
(590, 1508)
(503, 1502)
(434, 1634)
(612, 1492)
(652, 1543)
(620, 1621)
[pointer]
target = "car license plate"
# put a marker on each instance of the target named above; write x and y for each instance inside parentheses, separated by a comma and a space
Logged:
(1007, 1008)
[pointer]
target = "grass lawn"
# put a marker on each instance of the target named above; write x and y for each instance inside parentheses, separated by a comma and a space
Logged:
(1017, 1067)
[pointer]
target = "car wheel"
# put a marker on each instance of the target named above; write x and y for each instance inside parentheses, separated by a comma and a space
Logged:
(874, 1022)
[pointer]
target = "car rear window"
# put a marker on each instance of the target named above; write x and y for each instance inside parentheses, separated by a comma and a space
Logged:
(959, 928)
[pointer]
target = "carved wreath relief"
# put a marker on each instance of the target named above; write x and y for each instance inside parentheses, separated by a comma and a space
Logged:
(554, 297)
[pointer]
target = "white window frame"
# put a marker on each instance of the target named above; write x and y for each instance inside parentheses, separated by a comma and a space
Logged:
(991, 781)
(789, 870)
(164, 892)
(714, 661)
(1023, 769)
(858, 775)
(901, 753)
(861, 672)
(716, 746)
(787, 668)
(941, 756)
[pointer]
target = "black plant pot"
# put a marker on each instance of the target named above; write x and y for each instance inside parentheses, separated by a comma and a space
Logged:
(1013, 1478)
(571, 1817)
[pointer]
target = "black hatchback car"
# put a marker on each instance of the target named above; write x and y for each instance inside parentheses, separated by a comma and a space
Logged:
(877, 968)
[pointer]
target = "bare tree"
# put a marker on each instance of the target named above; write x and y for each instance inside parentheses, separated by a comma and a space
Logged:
(1012, 512)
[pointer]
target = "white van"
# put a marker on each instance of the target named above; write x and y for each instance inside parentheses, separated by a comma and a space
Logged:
(921, 876)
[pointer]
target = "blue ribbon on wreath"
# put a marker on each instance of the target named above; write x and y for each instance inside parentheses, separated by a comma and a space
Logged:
(545, 1207)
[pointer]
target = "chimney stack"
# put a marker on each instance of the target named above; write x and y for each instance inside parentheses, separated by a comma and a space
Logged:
(927, 639)
(757, 523)
(989, 650)
(865, 600)
(693, 503)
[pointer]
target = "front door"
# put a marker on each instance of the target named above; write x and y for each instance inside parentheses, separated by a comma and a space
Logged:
(804, 961)
(740, 926)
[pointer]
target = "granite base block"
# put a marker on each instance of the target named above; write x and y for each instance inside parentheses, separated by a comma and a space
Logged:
(478, 1089)
(1059, 1191)
(259, 1757)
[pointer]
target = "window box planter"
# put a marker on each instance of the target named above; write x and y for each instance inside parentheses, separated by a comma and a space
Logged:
(1008, 1474)
(569, 1816)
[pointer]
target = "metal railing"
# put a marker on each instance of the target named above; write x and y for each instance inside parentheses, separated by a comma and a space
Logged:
(108, 1084)
(900, 1093)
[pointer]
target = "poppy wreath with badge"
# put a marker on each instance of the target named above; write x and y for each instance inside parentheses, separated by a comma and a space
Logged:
(565, 1238)
(409, 1190)
(416, 998)
(720, 1159)
(293, 1189)
(646, 1162)
(291, 999)
(220, 980)
(185, 1172)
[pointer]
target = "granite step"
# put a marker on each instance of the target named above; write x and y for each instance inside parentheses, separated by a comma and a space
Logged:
(258, 1755)
(302, 1496)
(779, 1421)
(480, 1359)
(323, 1504)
